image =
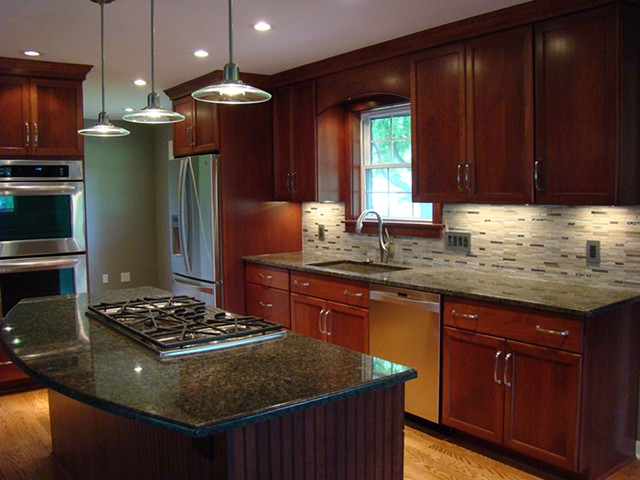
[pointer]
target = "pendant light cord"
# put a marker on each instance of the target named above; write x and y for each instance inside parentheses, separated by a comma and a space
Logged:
(153, 69)
(230, 33)
(102, 47)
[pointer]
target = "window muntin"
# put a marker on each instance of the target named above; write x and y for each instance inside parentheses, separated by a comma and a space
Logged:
(386, 165)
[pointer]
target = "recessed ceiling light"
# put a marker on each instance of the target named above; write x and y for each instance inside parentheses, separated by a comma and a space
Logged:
(140, 82)
(31, 53)
(261, 26)
(201, 53)
(128, 109)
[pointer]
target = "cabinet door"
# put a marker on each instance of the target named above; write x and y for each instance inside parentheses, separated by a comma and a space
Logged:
(183, 132)
(473, 396)
(14, 104)
(348, 326)
(294, 123)
(307, 316)
(576, 103)
(269, 303)
(499, 89)
(438, 125)
(56, 117)
(542, 403)
(206, 127)
(283, 143)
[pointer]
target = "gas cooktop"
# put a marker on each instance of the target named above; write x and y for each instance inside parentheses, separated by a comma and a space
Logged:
(180, 325)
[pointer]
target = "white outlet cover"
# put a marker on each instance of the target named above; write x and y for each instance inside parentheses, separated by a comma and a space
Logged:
(125, 277)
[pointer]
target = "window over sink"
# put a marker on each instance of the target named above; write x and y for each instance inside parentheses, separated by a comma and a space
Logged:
(379, 169)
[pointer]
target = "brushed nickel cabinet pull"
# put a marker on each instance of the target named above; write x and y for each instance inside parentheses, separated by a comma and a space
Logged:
(35, 134)
(267, 305)
(301, 284)
(460, 178)
(470, 316)
(352, 294)
(326, 326)
(504, 372)
(320, 322)
(563, 333)
(495, 368)
(536, 175)
(265, 277)
(466, 176)
(27, 134)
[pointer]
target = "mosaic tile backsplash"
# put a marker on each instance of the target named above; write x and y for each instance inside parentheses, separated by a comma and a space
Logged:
(538, 241)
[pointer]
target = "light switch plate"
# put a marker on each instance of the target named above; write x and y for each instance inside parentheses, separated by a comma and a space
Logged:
(457, 241)
(593, 252)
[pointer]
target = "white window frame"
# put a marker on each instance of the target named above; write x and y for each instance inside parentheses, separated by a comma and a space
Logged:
(365, 153)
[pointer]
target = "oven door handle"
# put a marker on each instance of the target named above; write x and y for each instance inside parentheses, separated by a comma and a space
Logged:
(13, 189)
(35, 264)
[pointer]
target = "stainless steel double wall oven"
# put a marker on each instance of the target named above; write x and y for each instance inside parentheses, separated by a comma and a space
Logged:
(42, 229)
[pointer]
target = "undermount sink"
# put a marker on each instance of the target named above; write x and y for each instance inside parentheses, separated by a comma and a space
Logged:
(365, 268)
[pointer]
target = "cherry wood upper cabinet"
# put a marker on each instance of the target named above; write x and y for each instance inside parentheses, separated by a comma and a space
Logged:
(499, 85)
(41, 117)
(199, 132)
(587, 103)
(473, 120)
(438, 124)
(294, 133)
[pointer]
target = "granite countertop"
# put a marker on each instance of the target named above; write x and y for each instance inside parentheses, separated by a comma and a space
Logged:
(57, 344)
(541, 294)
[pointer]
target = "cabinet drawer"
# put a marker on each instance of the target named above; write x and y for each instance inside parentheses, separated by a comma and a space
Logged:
(269, 303)
(331, 288)
(539, 328)
(267, 276)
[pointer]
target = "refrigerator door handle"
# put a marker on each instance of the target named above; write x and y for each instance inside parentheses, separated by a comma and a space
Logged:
(195, 284)
(181, 214)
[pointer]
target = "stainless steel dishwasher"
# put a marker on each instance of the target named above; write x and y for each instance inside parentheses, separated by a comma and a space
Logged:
(405, 329)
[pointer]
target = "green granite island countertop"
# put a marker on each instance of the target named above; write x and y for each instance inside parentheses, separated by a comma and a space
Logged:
(552, 295)
(196, 395)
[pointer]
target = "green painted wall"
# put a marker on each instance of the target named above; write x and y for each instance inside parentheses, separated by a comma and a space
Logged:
(121, 198)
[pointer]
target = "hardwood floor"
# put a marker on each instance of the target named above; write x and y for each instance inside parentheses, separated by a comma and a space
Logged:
(25, 444)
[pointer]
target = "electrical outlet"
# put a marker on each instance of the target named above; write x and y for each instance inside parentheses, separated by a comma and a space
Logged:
(593, 252)
(457, 241)
(125, 277)
(105, 278)
(321, 231)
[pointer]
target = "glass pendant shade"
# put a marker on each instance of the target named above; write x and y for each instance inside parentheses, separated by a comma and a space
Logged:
(231, 90)
(103, 128)
(153, 113)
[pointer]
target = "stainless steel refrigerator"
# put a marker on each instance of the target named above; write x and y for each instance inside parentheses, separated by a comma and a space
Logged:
(195, 227)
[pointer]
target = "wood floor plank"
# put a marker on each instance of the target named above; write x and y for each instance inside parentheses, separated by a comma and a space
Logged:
(25, 446)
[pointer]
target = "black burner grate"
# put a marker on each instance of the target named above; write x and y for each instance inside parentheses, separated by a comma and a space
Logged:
(179, 322)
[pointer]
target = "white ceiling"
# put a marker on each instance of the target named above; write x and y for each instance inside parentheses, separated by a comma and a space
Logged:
(304, 31)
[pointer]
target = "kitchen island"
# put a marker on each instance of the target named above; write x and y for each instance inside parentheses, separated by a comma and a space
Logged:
(292, 407)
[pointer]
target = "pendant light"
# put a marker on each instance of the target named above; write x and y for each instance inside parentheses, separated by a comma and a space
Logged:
(103, 128)
(153, 113)
(231, 90)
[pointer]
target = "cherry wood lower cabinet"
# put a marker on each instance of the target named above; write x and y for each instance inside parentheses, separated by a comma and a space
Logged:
(357, 438)
(267, 293)
(557, 388)
(331, 309)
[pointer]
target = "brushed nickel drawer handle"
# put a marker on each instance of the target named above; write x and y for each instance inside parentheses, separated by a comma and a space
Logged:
(352, 294)
(267, 277)
(470, 316)
(302, 284)
(326, 323)
(267, 305)
(322, 331)
(563, 333)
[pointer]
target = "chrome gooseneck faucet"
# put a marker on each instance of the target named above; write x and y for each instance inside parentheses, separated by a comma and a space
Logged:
(383, 234)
